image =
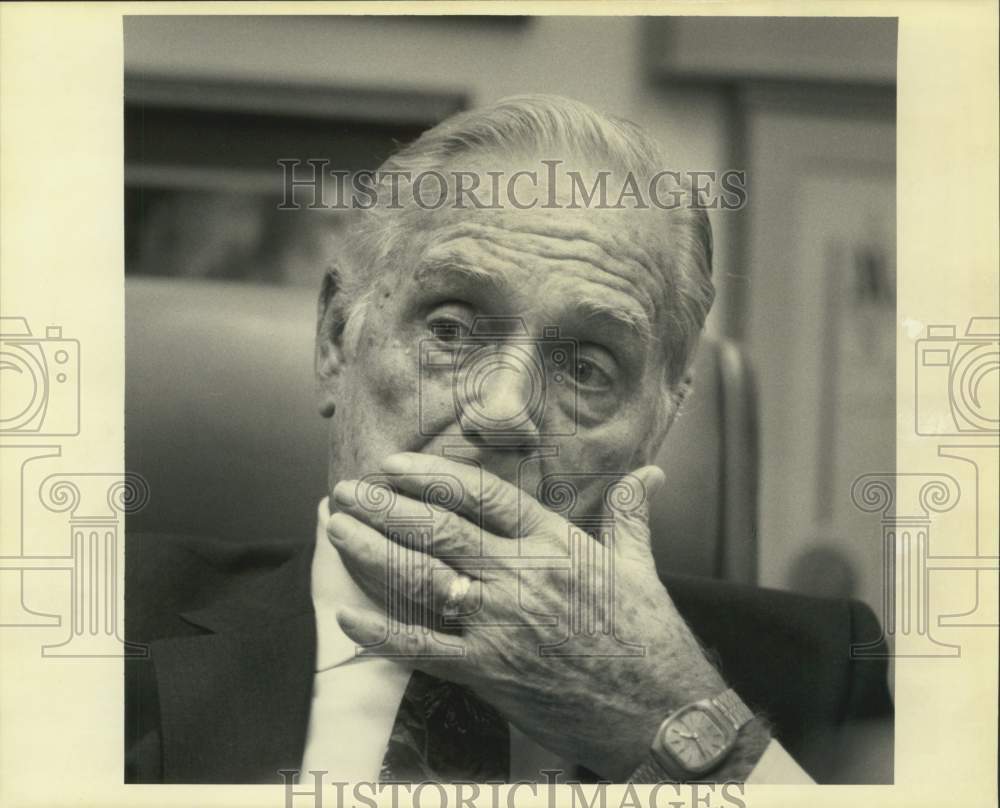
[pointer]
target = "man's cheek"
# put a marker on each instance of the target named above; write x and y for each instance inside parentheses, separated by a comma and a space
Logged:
(387, 369)
(373, 416)
(611, 447)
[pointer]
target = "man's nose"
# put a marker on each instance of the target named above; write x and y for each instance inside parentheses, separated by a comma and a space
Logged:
(503, 398)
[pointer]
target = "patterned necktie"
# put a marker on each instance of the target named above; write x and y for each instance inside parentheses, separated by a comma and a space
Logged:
(445, 733)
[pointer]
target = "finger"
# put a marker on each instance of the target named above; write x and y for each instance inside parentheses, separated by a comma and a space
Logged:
(445, 655)
(418, 525)
(412, 585)
(500, 507)
(626, 502)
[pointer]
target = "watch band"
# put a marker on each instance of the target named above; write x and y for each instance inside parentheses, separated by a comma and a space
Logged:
(649, 772)
(733, 708)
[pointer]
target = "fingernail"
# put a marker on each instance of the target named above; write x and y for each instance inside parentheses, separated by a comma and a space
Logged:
(336, 527)
(347, 617)
(397, 464)
(343, 492)
(356, 626)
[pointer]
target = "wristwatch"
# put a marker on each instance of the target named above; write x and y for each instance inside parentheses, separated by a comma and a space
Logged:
(694, 739)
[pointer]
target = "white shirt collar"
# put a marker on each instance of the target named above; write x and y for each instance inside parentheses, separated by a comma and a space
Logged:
(332, 587)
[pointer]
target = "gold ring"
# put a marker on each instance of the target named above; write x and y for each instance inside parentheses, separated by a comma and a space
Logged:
(455, 599)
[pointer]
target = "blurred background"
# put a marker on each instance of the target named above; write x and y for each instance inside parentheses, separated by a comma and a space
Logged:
(805, 273)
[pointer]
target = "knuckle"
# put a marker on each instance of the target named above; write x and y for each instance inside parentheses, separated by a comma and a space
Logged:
(421, 588)
(449, 533)
(451, 525)
(494, 492)
(540, 521)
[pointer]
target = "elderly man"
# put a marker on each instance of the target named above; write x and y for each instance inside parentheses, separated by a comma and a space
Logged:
(480, 602)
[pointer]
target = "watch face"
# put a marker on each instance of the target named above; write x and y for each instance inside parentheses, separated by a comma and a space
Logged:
(695, 739)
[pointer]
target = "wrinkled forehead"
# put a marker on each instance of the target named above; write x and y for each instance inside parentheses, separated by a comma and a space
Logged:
(549, 249)
(540, 232)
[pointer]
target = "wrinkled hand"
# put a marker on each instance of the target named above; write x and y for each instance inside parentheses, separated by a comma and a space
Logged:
(574, 641)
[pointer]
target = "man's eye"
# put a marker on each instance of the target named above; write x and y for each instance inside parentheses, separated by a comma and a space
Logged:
(591, 377)
(584, 371)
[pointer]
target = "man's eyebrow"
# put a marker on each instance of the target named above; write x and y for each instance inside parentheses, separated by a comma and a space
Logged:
(593, 311)
(589, 311)
(436, 270)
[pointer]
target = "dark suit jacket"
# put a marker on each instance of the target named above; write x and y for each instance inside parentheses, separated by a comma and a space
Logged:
(222, 694)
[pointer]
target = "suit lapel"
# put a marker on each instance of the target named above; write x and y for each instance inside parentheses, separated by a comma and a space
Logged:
(234, 703)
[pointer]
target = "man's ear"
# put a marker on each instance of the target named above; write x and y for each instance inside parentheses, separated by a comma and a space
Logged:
(331, 319)
(674, 401)
(680, 395)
